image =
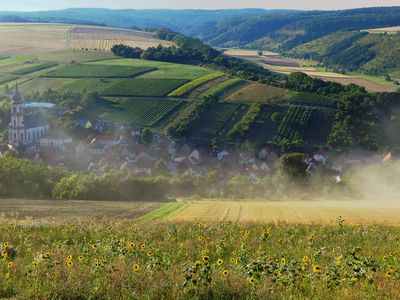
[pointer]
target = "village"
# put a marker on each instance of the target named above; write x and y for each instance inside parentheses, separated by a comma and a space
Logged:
(140, 152)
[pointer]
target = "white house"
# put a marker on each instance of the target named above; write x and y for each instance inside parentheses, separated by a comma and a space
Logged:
(56, 140)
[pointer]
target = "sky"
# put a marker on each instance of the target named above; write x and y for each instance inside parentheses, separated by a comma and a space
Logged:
(35, 5)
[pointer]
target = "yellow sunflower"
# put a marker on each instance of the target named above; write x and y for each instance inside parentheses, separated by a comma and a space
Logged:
(283, 261)
(149, 253)
(251, 280)
(81, 258)
(220, 261)
(206, 258)
(317, 269)
(10, 264)
(198, 263)
(225, 272)
(199, 225)
(136, 267)
(69, 257)
(306, 259)
(131, 245)
(94, 246)
(200, 238)
(69, 263)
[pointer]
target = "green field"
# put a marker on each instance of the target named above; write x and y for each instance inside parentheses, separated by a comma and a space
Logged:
(190, 86)
(34, 68)
(78, 56)
(41, 84)
(98, 71)
(223, 87)
(7, 78)
(147, 112)
(164, 69)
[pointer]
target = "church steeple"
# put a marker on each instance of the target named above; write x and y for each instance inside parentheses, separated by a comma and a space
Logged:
(16, 97)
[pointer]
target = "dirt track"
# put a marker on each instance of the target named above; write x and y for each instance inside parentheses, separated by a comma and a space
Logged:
(304, 212)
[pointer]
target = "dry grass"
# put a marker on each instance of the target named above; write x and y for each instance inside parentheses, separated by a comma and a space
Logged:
(390, 30)
(257, 92)
(298, 212)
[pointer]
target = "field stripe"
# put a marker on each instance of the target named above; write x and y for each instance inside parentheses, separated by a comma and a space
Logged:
(165, 211)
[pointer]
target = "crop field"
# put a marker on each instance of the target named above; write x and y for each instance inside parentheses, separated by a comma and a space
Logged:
(257, 92)
(294, 125)
(190, 86)
(223, 87)
(148, 112)
(104, 38)
(35, 68)
(217, 121)
(41, 84)
(313, 100)
(125, 87)
(77, 56)
(16, 39)
(388, 30)
(198, 253)
(7, 78)
(164, 69)
(98, 71)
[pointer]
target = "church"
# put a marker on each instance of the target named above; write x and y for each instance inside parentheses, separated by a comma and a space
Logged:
(28, 124)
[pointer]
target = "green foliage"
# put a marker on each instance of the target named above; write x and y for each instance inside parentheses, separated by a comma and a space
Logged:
(314, 100)
(240, 130)
(290, 170)
(277, 117)
(147, 136)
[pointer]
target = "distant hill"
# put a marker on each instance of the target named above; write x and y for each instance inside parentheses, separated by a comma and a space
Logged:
(185, 21)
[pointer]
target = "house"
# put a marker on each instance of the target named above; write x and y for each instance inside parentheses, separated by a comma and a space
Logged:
(221, 155)
(97, 149)
(194, 157)
(265, 168)
(142, 172)
(172, 149)
(56, 139)
(320, 157)
(107, 140)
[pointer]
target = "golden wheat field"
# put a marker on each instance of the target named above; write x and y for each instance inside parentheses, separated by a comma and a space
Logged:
(302, 212)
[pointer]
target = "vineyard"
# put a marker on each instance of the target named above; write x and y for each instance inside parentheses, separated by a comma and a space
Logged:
(98, 71)
(313, 100)
(188, 87)
(223, 87)
(294, 125)
(142, 112)
(212, 121)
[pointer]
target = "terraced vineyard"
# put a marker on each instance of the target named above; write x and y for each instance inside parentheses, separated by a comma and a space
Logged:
(223, 87)
(183, 90)
(98, 71)
(313, 100)
(213, 120)
(294, 125)
(146, 112)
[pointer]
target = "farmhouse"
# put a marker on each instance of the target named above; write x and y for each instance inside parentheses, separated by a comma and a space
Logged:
(28, 123)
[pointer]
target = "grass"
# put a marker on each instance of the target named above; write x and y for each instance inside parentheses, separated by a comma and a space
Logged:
(190, 86)
(257, 92)
(17, 59)
(41, 84)
(97, 71)
(164, 69)
(166, 210)
(110, 258)
(68, 56)
(7, 78)
(143, 112)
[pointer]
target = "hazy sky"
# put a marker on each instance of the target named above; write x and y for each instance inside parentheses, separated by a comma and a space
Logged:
(28, 5)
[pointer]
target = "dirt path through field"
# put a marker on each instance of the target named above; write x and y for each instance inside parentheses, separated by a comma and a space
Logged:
(304, 212)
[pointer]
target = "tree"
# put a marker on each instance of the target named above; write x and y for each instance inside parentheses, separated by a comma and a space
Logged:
(276, 117)
(147, 136)
(291, 171)
(160, 168)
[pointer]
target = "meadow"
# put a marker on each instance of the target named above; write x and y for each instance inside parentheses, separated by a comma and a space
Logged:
(115, 258)
(257, 92)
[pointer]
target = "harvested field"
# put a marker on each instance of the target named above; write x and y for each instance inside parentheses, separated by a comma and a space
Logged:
(257, 92)
(389, 30)
(369, 85)
(303, 212)
(104, 38)
(20, 38)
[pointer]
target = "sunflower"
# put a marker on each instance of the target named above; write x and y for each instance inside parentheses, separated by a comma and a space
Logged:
(199, 225)
(220, 261)
(149, 253)
(6, 244)
(306, 259)
(47, 255)
(385, 258)
(81, 257)
(281, 273)
(35, 263)
(206, 258)
(390, 268)
(198, 263)
(10, 264)
(234, 252)
(251, 280)
(131, 245)
(304, 267)
(225, 272)
(200, 238)
(69, 257)
(4, 254)
(339, 259)
(105, 248)
(136, 267)
(69, 263)
(317, 269)
(283, 260)
(389, 273)
(94, 246)
(142, 246)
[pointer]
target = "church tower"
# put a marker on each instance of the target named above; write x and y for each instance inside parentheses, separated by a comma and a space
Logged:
(16, 127)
